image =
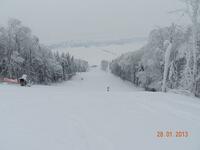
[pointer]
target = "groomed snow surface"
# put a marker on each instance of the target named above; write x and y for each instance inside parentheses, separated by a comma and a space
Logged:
(81, 115)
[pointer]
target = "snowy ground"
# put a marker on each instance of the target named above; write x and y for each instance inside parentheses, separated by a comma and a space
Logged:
(81, 115)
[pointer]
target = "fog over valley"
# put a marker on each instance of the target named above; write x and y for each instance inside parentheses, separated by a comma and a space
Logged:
(55, 21)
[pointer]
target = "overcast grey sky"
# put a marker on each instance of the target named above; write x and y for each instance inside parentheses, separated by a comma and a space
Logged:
(61, 20)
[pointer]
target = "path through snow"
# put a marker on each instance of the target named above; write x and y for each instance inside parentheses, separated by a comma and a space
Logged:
(81, 115)
(97, 81)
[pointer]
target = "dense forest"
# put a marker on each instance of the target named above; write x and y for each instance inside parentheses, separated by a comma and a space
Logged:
(21, 53)
(165, 62)
(169, 60)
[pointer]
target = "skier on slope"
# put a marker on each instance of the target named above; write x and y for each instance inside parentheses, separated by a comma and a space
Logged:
(108, 89)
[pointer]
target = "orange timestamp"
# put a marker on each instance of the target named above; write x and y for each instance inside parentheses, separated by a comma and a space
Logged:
(172, 134)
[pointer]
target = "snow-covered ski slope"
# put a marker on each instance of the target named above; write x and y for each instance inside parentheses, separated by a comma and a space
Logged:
(81, 115)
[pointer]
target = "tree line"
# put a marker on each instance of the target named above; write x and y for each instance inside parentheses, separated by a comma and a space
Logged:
(169, 60)
(21, 53)
(165, 62)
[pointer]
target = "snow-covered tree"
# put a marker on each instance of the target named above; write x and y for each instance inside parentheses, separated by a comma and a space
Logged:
(146, 67)
(104, 65)
(166, 65)
(21, 53)
(193, 12)
(168, 44)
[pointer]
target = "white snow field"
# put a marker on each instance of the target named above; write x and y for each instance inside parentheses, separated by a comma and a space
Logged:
(81, 115)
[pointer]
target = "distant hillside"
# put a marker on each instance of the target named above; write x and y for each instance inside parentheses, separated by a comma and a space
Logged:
(96, 43)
